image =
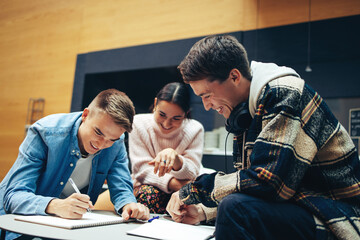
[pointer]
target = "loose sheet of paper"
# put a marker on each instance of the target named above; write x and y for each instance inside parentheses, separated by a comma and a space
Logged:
(165, 229)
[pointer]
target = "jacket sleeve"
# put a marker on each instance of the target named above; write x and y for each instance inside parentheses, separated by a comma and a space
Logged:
(119, 179)
(19, 193)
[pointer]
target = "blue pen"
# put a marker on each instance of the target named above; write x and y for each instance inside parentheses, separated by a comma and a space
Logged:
(153, 218)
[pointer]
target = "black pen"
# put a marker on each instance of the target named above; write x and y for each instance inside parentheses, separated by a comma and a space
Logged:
(210, 237)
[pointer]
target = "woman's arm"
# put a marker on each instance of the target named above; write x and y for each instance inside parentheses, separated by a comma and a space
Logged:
(141, 152)
(176, 184)
(191, 151)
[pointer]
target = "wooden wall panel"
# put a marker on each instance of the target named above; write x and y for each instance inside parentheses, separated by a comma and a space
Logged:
(38, 44)
(141, 22)
(40, 39)
(324, 9)
(273, 13)
(282, 9)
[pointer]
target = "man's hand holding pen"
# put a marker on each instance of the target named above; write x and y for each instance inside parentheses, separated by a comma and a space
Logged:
(72, 207)
(180, 212)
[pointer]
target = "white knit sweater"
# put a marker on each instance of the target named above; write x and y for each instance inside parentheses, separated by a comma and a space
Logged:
(146, 140)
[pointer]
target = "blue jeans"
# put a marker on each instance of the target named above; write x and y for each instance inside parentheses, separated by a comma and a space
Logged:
(241, 216)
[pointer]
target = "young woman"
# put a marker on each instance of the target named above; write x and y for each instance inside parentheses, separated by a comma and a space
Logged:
(165, 148)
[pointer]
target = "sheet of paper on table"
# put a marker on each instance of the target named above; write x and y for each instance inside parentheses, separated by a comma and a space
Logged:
(165, 229)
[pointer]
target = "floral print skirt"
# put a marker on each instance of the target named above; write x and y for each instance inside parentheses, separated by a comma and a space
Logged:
(152, 197)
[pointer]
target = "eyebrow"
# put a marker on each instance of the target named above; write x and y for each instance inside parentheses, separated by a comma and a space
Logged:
(202, 94)
(101, 133)
(173, 116)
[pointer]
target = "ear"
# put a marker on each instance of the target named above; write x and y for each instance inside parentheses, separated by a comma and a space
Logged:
(235, 75)
(155, 101)
(85, 114)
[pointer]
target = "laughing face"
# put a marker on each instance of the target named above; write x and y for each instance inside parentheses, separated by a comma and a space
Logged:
(223, 97)
(97, 131)
(168, 116)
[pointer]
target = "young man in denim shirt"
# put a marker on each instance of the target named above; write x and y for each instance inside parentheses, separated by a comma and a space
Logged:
(87, 146)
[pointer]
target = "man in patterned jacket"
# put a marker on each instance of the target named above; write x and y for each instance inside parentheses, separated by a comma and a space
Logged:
(298, 171)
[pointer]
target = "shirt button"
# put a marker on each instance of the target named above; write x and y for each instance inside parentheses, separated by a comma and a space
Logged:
(61, 183)
(77, 154)
(73, 151)
(71, 164)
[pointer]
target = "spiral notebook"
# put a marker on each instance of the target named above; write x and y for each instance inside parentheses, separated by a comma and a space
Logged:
(89, 219)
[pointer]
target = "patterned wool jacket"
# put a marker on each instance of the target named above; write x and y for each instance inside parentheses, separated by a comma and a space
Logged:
(296, 151)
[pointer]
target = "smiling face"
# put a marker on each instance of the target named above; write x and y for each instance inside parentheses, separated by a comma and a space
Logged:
(168, 116)
(222, 97)
(97, 131)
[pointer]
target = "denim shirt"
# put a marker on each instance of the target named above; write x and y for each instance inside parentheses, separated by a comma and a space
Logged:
(46, 159)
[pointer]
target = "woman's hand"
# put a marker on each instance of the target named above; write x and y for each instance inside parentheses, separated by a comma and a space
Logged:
(165, 161)
(175, 184)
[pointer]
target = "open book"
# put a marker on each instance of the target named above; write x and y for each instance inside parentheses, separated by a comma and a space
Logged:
(166, 229)
(89, 219)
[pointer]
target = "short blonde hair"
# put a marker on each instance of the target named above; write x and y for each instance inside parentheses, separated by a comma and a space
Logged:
(117, 105)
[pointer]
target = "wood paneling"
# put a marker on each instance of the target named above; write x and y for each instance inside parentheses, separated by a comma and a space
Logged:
(141, 22)
(38, 44)
(274, 13)
(40, 39)
(324, 9)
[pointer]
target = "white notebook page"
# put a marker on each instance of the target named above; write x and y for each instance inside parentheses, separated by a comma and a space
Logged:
(89, 219)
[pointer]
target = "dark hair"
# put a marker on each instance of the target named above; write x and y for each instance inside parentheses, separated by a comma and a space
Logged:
(177, 93)
(118, 105)
(213, 58)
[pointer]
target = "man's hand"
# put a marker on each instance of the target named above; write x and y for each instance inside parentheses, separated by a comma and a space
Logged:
(165, 161)
(135, 210)
(193, 214)
(190, 214)
(73, 206)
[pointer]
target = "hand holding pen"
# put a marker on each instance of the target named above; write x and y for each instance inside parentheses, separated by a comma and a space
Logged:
(78, 191)
(72, 207)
